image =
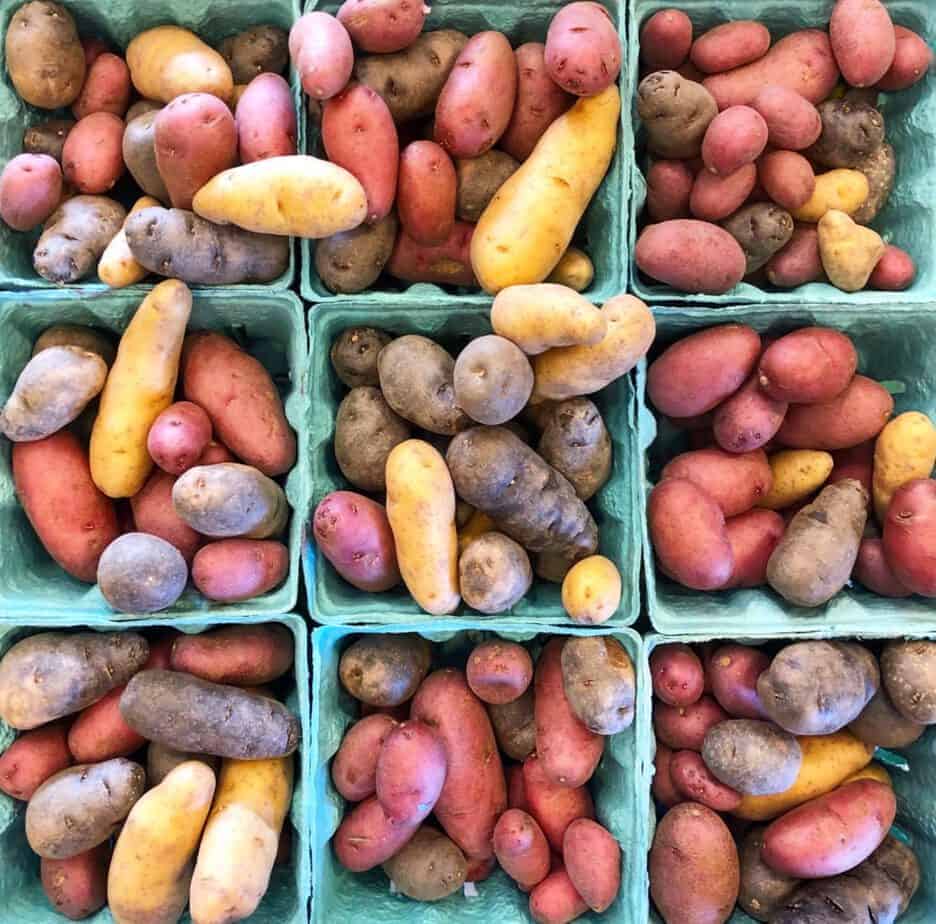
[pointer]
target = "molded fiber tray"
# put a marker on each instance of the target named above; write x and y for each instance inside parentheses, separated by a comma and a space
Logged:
(267, 325)
(895, 347)
(602, 232)
(909, 220)
(913, 786)
(287, 900)
(118, 22)
(616, 507)
(620, 788)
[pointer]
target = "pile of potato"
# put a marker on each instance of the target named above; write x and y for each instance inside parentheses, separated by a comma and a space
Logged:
(764, 168)
(157, 769)
(428, 745)
(126, 488)
(415, 118)
(465, 504)
(782, 744)
(798, 478)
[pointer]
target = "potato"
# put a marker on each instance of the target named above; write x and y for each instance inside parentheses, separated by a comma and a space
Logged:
(684, 727)
(515, 727)
(139, 154)
(81, 807)
(382, 26)
(118, 267)
(75, 236)
(912, 60)
(908, 534)
(580, 67)
(797, 475)
(321, 52)
(576, 443)
(47, 137)
(553, 806)
(762, 889)
(106, 87)
(670, 185)
(154, 514)
(449, 263)
(809, 366)
(850, 132)
(30, 190)
(598, 681)
(140, 107)
(677, 675)
(593, 862)
(32, 758)
(849, 251)
(676, 114)
(100, 733)
(411, 770)
(874, 572)
(266, 119)
(555, 900)
(748, 420)
(798, 262)
(908, 669)
(715, 197)
(428, 868)
(752, 757)
(894, 272)
(77, 887)
(478, 179)
(493, 380)
(735, 481)
(733, 671)
(427, 193)
(694, 869)
(354, 769)
(694, 782)
(735, 137)
(385, 670)
(178, 437)
(863, 40)
(353, 533)
(162, 760)
(591, 591)
(793, 123)
(730, 45)
(905, 450)
(762, 229)
(239, 569)
(585, 136)
(255, 51)
(494, 573)
(836, 190)
(665, 39)
(880, 723)
(352, 261)
(366, 430)
(92, 161)
(366, 837)
(521, 848)
(499, 672)
(139, 573)
(475, 793)
(44, 56)
(787, 178)
(190, 714)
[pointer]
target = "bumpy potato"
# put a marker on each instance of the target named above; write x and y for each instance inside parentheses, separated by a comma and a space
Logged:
(494, 573)
(598, 679)
(139, 573)
(849, 251)
(493, 380)
(762, 889)
(139, 154)
(762, 230)
(880, 169)
(385, 670)
(47, 137)
(515, 726)
(576, 443)
(352, 261)
(259, 50)
(752, 757)
(909, 673)
(881, 724)
(429, 868)
(676, 113)
(850, 132)
(478, 179)
(366, 430)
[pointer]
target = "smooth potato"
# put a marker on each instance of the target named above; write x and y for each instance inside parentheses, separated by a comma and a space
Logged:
(385, 670)
(493, 380)
(598, 681)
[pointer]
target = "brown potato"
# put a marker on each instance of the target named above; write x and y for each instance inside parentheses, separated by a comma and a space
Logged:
(47, 137)
(385, 670)
(162, 760)
(515, 726)
(676, 114)
(493, 380)
(139, 154)
(366, 430)
(258, 50)
(880, 167)
(478, 179)
(762, 229)
(598, 679)
(494, 573)
(352, 261)
(850, 132)
(354, 355)
(752, 757)
(576, 443)
(428, 868)
(908, 670)
(882, 725)
(762, 889)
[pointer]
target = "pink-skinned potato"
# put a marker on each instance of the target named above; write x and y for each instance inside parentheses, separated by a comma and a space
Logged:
(178, 437)
(427, 193)
(670, 184)
(730, 45)
(666, 40)
(265, 119)
(92, 157)
(912, 60)
(516, 793)
(553, 806)
(106, 87)
(77, 887)
(664, 790)
(521, 848)
(354, 769)
(32, 758)
(863, 40)
(354, 534)
(809, 366)
(555, 900)
(30, 190)
(368, 837)
(583, 51)
(695, 783)
(242, 655)
(677, 675)
(793, 122)
(715, 197)
(411, 771)
(856, 462)
(735, 481)
(910, 536)
(498, 671)
(383, 26)
(799, 262)
(895, 271)
(787, 177)
(748, 420)
(232, 570)
(735, 137)
(154, 513)
(593, 861)
(683, 728)
(100, 732)
(448, 263)
(321, 51)
(753, 537)
(733, 671)
(873, 571)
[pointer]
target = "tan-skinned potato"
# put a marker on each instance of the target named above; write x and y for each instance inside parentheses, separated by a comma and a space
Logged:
(118, 267)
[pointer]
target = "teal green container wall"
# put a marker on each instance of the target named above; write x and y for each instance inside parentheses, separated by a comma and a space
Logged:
(118, 22)
(269, 325)
(620, 788)
(287, 900)
(616, 507)
(908, 221)
(602, 232)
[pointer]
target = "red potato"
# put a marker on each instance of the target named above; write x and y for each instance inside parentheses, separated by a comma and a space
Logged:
(733, 671)
(730, 45)
(154, 513)
(665, 40)
(583, 51)
(195, 139)
(748, 420)
(178, 437)
(475, 792)
(383, 26)
(555, 900)
(411, 771)
(831, 834)
(857, 463)
(787, 177)
(735, 137)
(912, 59)
(910, 536)
(353, 533)
(354, 769)
(567, 750)
(449, 263)
(239, 569)
(367, 837)
(714, 197)
(683, 728)
(793, 122)
(100, 732)
(521, 848)
(30, 190)
(77, 887)
(695, 783)
(895, 271)
(499, 672)
(798, 262)
(676, 674)
(32, 758)
(858, 414)
(359, 134)
(246, 656)
(477, 100)
(516, 794)
(664, 791)
(863, 40)
(214, 453)
(692, 256)
(92, 157)
(553, 806)
(73, 519)
(735, 481)
(809, 366)
(802, 62)
(593, 862)
(753, 537)
(321, 51)
(93, 49)
(106, 88)
(670, 184)
(428, 193)
(538, 104)
(873, 571)
(265, 119)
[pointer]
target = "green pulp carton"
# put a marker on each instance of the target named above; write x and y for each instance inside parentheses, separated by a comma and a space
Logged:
(286, 901)
(912, 770)
(267, 325)
(908, 221)
(602, 231)
(896, 348)
(118, 22)
(615, 507)
(620, 787)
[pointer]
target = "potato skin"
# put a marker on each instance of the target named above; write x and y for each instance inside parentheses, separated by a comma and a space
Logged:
(100, 733)
(874, 572)
(735, 481)
(908, 531)
(77, 887)
(139, 154)
(909, 672)
(354, 769)
(493, 380)
(321, 52)
(47, 137)
(555, 900)
(385, 670)
(732, 672)
(256, 51)
(515, 728)
(366, 431)
(478, 179)
(880, 724)
(905, 450)
(178, 437)
(912, 60)
(670, 185)
(863, 40)
(448, 263)
(591, 591)
(754, 758)
(762, 229)
(139, 573)
(762, 889)
(735, 137)
(352, 261)
(787, 178)
(153, 513)
(382, 26)
(894, 272)
(593, 862)
(429, 867)
(427, 193)
(694, 782)
(265, 119)
(665, 39)
(411, 770)
(748, 420)
(676, 674)
(32, 758)
(366, 837)
(30, 190)
(583, 64)
(850, 132)
(793, 123)
(799, 262)
(730, 45)
(684, 727)
(598, 681)
(576, 443)
(499, 672)
(808, 366)
(521, 848)
(239, 569)
(676, 114)
(106, 87)
(553, 806)
(92, 161)
(713, 197)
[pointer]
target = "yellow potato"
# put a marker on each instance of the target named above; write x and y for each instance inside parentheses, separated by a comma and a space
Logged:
(591, 591)
(566, 372)
(873, 771)
(797, 473)
(905, 450)
(574, 270)
(849, 251)
(118, 267)
(239, 845)
(140, 387)
(843, 190)
(294, 194)
(529, 223)
(478, 524)
(148, 880)
(827, 761)
(421, 510)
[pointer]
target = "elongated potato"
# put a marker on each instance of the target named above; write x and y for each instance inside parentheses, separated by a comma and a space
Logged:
(247, 655)
(367, 837)
(118, 267)
(553, 806)
(33, 758)
(905, 450)
(411, 770)
(521, 848)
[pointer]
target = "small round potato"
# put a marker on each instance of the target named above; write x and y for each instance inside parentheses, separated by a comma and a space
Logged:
(385, 670)
(352, 261)
(591, 591)
(493, 380)
(499, 672)
(494, 573)
(909, 674)
(762, 229)
(139, 573)
(515, 726)
(30, 189)
(598, 679)
(366, 430)
(575, 441)
(354, 355)
(752, 757)
(429, 868)
(178, 437)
